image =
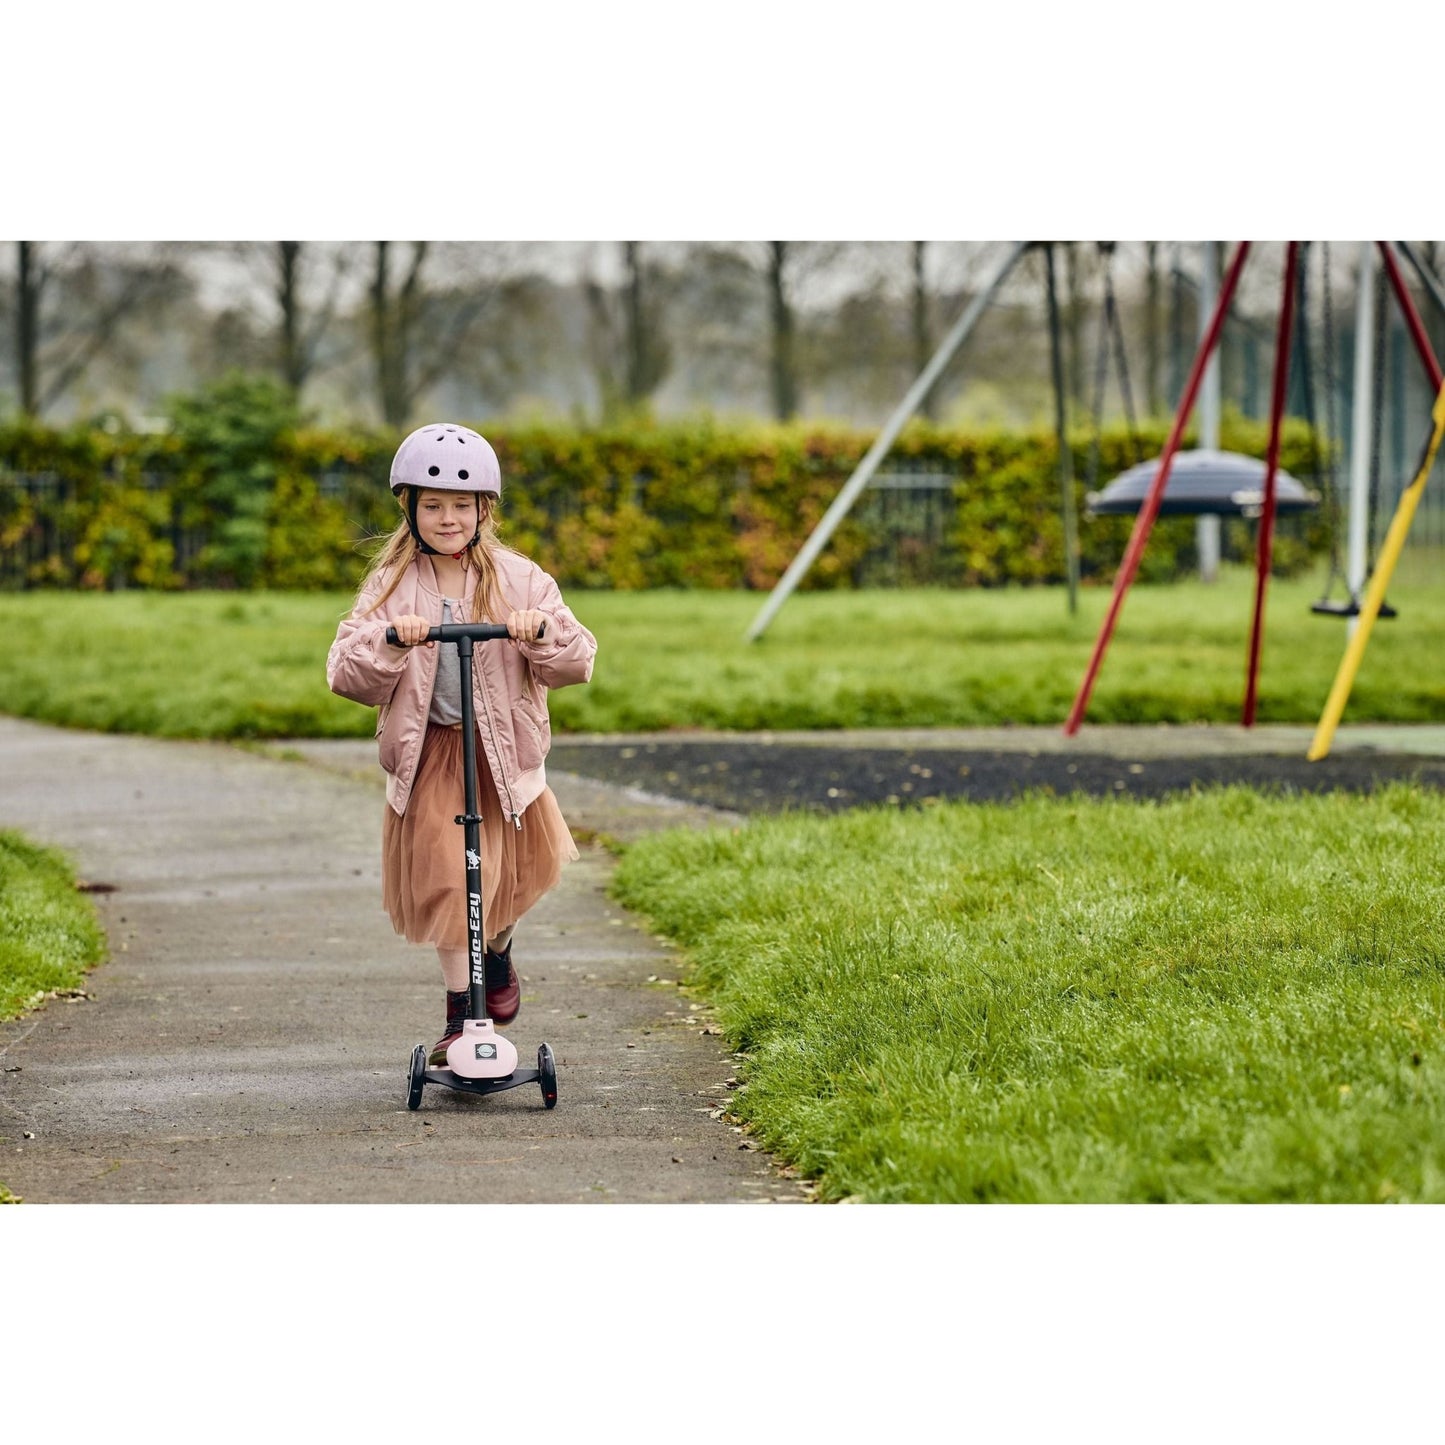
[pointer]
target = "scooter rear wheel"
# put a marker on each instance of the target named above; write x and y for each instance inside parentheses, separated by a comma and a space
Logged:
(547, 1071)
(417, 1079)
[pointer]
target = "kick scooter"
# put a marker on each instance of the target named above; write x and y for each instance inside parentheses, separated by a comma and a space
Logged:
(479, 1060)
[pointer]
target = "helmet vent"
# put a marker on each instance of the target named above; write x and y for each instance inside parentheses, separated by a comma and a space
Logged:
(433, 471)
(463, 474)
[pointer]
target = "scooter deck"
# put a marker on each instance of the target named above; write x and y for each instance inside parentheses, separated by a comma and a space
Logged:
(449, 1080)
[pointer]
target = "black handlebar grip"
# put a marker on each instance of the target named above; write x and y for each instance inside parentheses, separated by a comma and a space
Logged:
(477, 631)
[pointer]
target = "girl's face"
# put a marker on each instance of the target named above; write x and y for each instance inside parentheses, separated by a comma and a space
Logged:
(446, 520)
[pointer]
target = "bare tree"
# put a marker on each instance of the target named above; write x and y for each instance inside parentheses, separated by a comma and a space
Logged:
(418, 327)
(1074, 321)
(394, 311)
(923, 345)
(70, 306)
(720, 320)
(783, 363)
(1152, 331)
(27, 308)
(603, 346)
(647, 350)
(627, 344)
(637, 358)
(303, 327)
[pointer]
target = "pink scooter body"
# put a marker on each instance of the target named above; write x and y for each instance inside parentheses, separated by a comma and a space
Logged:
(481, 1052)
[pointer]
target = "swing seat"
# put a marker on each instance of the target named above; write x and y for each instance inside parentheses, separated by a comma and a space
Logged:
(1349, 608)
(1224, 483)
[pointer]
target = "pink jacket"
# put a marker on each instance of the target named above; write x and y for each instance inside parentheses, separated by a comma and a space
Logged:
(509, 679)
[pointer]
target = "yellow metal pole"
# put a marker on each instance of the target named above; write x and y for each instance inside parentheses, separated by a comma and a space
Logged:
(1375, 592)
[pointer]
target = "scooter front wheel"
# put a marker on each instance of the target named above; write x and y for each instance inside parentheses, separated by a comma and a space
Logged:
(417, 1079)
(547, 1075)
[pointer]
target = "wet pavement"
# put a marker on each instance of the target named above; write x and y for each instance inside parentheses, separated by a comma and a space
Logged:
(249, 1038)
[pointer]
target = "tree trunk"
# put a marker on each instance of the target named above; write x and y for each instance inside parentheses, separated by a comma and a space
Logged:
(393, 320)
(27, 329)
(636, 326)
(292, 366)
(293, 363)
(1075, 323)
(1152, 333)
(83, 325)
(380, 326)
(922, 328)
(785, 385)
(1176, 330)
(409, 312)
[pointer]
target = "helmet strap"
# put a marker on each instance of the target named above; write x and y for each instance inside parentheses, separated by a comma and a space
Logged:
(413, 494)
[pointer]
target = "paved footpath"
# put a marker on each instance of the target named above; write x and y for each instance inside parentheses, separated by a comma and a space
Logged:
(248, 1040)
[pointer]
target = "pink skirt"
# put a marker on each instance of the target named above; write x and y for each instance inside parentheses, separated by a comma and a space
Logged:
(423, 868)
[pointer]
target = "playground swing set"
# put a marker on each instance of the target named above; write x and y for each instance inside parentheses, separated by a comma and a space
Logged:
(1373, 601)
(1216, 476)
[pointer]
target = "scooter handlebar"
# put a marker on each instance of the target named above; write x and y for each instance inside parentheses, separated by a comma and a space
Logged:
(455, 631)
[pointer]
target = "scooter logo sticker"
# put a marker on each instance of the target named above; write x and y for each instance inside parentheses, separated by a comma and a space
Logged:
(473, 859)
(486, 1051)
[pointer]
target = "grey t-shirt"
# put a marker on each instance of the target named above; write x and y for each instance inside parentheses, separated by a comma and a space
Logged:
(446, 697)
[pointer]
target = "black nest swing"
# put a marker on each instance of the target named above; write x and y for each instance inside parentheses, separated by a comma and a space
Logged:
(1203, 482)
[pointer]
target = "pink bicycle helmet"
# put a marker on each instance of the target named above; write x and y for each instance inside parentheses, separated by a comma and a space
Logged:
(445, 458)
(449, 458)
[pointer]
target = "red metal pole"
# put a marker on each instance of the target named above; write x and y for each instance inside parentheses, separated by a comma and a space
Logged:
(1149, 511)
(1412, 316)
(1265, 552)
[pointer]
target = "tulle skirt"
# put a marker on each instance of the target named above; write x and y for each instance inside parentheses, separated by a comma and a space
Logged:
(423, 870)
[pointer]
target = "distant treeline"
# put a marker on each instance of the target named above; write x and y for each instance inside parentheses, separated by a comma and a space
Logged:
(393, 332)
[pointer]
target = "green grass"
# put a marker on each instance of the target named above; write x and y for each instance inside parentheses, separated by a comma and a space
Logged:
(1222, 997)
(253, 665)
(49, 935)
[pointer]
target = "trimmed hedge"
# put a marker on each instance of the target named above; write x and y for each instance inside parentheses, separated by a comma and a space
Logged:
(239, 494)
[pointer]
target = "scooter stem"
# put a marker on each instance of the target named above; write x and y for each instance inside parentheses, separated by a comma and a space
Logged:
(471, 822)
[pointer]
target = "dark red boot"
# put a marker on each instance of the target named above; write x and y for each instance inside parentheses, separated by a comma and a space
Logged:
(456, 1017)
(504, 991)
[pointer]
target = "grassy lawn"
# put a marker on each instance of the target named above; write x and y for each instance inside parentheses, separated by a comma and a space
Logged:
(1223, 997)
(253, 665)
(49, 935)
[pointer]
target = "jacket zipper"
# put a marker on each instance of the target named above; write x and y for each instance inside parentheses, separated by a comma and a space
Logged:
(430, 689)
(491, 724)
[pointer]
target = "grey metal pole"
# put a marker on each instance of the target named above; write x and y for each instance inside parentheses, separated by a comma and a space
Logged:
(1361, 431)
(863, 472)
(1061, 431)
(1207, 525)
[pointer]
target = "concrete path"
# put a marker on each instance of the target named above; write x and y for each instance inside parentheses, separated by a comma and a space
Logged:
(249, 1039)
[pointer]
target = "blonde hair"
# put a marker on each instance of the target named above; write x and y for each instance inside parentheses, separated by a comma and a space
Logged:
(400, 550)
